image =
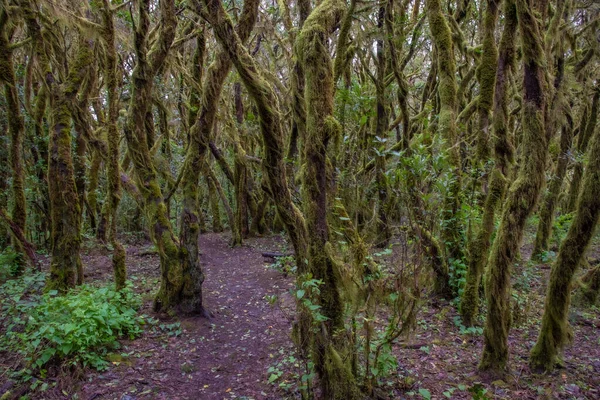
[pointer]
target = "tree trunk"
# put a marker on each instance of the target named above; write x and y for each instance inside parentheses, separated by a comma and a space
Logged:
(213, 199)
(555, 331)
(582, 143)
(380, 133)
(544, 229)
(114, 175)
(503, 152)
(139, 139)
(591, 285)
(16, 129)
(521, 199)
(452, 227)
(65, 267)
(330, 342)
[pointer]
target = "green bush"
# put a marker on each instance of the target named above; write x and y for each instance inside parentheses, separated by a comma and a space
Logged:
(78, 328)
(11, 264)
(561, 226)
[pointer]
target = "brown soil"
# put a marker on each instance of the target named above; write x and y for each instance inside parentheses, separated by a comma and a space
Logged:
(224, 357)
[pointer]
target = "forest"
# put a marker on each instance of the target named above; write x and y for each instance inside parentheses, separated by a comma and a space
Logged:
(304, 199)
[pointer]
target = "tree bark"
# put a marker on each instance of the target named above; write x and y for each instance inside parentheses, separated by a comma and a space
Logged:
(503, 151)
(16, 129)
(555, 331)
(522, 196)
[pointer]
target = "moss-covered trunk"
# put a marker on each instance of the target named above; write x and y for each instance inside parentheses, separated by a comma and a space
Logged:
(555, 331)
(82, 126)
(139, 138)
(4, 184)
(298, 131)
(542, 236)
(114, 175)
(452, 227)
(522, 195)
(330, 343)
(241, 174)
(92, 195)
(65, 267)
(486, 76)
(16, 129)
(213, 200)
(503, 152)
(582, 144)
(379, 135)
(591, 285)
(210, 174)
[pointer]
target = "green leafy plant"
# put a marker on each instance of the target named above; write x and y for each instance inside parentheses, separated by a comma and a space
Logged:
(561, 226)
(468, 331)
(291, 374)
(78, 328)
(11, 264)
(425, 393)
(478, 391)
(458, 275)
(306, 291)
(286, 265)
(171, 330)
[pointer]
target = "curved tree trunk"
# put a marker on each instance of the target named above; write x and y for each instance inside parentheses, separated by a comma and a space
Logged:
(65, 265)
(139, 140)
(555, 331)
(542, 236)
(582, 143)
(522, 196)
(591, 285)
(493, 92)
(329, 343)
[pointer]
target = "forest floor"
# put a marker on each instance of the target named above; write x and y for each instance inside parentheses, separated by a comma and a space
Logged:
(247, 341)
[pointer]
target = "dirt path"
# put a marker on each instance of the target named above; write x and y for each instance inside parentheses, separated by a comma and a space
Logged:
(226, 357)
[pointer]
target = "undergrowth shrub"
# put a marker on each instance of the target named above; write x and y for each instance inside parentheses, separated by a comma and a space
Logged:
(11, 264)
(560, 227)
(76, 329)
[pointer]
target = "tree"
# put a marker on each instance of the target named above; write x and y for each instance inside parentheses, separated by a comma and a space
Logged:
(503, 150)
(522, 195)
(16, 128)
(555, 331)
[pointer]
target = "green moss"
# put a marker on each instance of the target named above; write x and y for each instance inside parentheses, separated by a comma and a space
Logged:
(550, 201)
(582, 143)
(591, 285)
(555, 331)
(479, 248)
(65, 266)
(446, 68)
(16, 130)
(486, 75)
(521, 199)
